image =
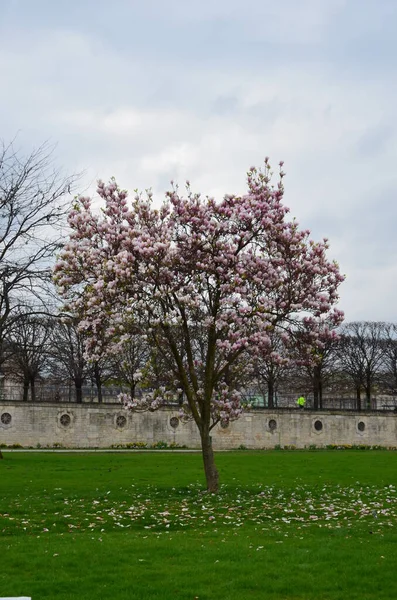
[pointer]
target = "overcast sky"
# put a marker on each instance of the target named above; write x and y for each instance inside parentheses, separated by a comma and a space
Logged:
(154, 90)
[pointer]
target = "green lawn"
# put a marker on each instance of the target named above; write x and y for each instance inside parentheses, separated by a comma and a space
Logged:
(285, 526)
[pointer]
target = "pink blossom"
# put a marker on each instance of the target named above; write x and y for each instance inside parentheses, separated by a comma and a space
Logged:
(224, 276)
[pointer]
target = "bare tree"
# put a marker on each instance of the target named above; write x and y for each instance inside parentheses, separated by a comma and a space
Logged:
(322, 370)
(135, 363)
(389, 371)
(29, 345)
(67, 355)
(361, 353)
(100, 373)
(269, 370)
(32, 209)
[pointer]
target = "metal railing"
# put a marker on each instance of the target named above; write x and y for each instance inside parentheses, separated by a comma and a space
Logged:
(328, 403)
(53, 393)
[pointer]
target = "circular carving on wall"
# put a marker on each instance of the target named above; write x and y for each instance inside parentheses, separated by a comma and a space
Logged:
(121, 421)
(65, 420)
(272, 424)
(318, 425)
(6, 418)
(174, 422)
(224, 424)
(361, 426)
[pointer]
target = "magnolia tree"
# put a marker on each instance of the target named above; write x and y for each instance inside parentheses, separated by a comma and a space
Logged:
(208, 281)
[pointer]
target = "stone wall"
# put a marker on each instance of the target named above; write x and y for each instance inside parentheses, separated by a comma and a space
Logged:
(101, 426)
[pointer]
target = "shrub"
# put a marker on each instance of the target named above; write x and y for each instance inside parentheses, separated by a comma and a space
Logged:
(159, 445)
(130, 446)
(174, 445)
(136, 445)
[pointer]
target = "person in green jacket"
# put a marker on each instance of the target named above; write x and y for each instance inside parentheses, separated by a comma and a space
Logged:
(301, 402)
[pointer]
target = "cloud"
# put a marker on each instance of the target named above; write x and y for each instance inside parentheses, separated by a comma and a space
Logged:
(155, 91)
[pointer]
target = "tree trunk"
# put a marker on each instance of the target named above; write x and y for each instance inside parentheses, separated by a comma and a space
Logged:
(270, 393)
(210, 470)
(79, 392)
(32, 390)
(358, 398)
(368, 396)
(316, 387)
(1, 382)
(25, 390)
(98, 382)
(315, 398)
(100, 395)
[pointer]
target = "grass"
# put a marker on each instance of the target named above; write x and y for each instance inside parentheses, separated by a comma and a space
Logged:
(285, 526)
